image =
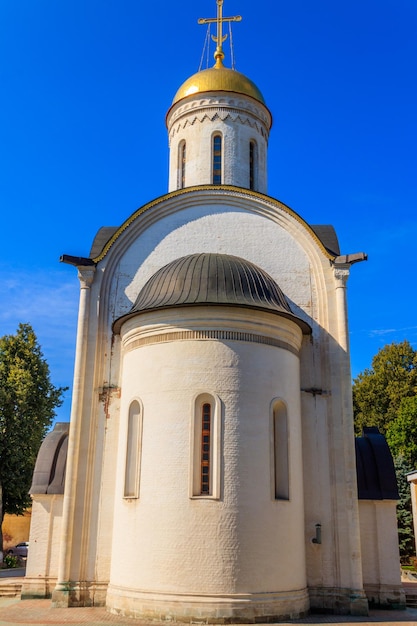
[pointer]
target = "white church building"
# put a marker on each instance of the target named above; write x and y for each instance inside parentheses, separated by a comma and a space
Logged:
(208, 472)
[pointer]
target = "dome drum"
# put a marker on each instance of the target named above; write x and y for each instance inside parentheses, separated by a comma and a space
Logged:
(237, 120)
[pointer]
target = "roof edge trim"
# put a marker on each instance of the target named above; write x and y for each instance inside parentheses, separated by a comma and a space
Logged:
(302, 324)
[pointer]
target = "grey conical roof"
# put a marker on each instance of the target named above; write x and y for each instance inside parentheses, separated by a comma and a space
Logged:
(212, 279)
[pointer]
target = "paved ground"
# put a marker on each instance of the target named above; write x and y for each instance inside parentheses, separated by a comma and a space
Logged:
(16, 572)
(15, 611)
(39, 612)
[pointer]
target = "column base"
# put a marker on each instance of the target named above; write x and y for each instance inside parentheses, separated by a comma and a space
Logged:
(37, 588)
(338, 601)
(79, 594)
(385, 596)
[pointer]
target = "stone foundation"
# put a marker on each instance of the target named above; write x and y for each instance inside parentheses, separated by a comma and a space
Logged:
(219, 609)
(37, 588)
(79, 594)
(338, 601)
(385, 596)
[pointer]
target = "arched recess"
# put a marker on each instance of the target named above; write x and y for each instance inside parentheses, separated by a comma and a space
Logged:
(205, 457)
(133, 450)
(280, 451)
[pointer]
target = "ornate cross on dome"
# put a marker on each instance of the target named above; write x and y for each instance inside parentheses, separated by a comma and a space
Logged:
(219, 54)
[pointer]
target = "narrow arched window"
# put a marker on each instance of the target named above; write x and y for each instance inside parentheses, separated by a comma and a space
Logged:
(253, 164)
(182, 162)
(206, 448)
(133, 449)
(217, 160)
(281, 472)
(205, 487)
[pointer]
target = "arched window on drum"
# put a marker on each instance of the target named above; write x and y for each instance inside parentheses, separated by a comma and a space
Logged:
(182, 160)
(217, 160)
(253, 165)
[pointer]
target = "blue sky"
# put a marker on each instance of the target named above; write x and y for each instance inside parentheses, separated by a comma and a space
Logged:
(85, 88)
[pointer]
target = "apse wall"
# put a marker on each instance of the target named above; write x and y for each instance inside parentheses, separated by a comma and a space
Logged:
(240, 539)
(193, 123)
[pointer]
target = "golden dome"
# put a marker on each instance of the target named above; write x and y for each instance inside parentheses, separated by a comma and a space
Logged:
(218, 78)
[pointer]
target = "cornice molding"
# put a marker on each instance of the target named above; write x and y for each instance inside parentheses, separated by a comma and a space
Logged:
(208, 335)
(192, 105)
(210, 115)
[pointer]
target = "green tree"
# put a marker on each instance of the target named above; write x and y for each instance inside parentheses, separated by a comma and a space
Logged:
(401, 432)
(401, 436)
(404, 510)
(27, 403)
(378, 391)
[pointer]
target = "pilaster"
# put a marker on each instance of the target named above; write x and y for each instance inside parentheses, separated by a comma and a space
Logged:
(63, 592)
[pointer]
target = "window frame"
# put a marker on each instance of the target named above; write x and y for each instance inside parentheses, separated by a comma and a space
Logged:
(197, 434)
(215, 170)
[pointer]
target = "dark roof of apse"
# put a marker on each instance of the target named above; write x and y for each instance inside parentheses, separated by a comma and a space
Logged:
(212, 279)
(375, 467)
(49, 473)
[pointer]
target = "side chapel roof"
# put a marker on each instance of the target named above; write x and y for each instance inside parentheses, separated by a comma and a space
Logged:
(375, 467)
(49, 473)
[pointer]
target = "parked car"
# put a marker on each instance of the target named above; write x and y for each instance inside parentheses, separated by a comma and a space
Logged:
(20, 550)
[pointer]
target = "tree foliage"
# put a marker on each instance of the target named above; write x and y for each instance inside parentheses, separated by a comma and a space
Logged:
(404, 510)
(379, 390)
(27, 403)
(401, 432)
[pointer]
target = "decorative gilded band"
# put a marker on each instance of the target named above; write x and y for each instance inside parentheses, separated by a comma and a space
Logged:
(204, 335)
